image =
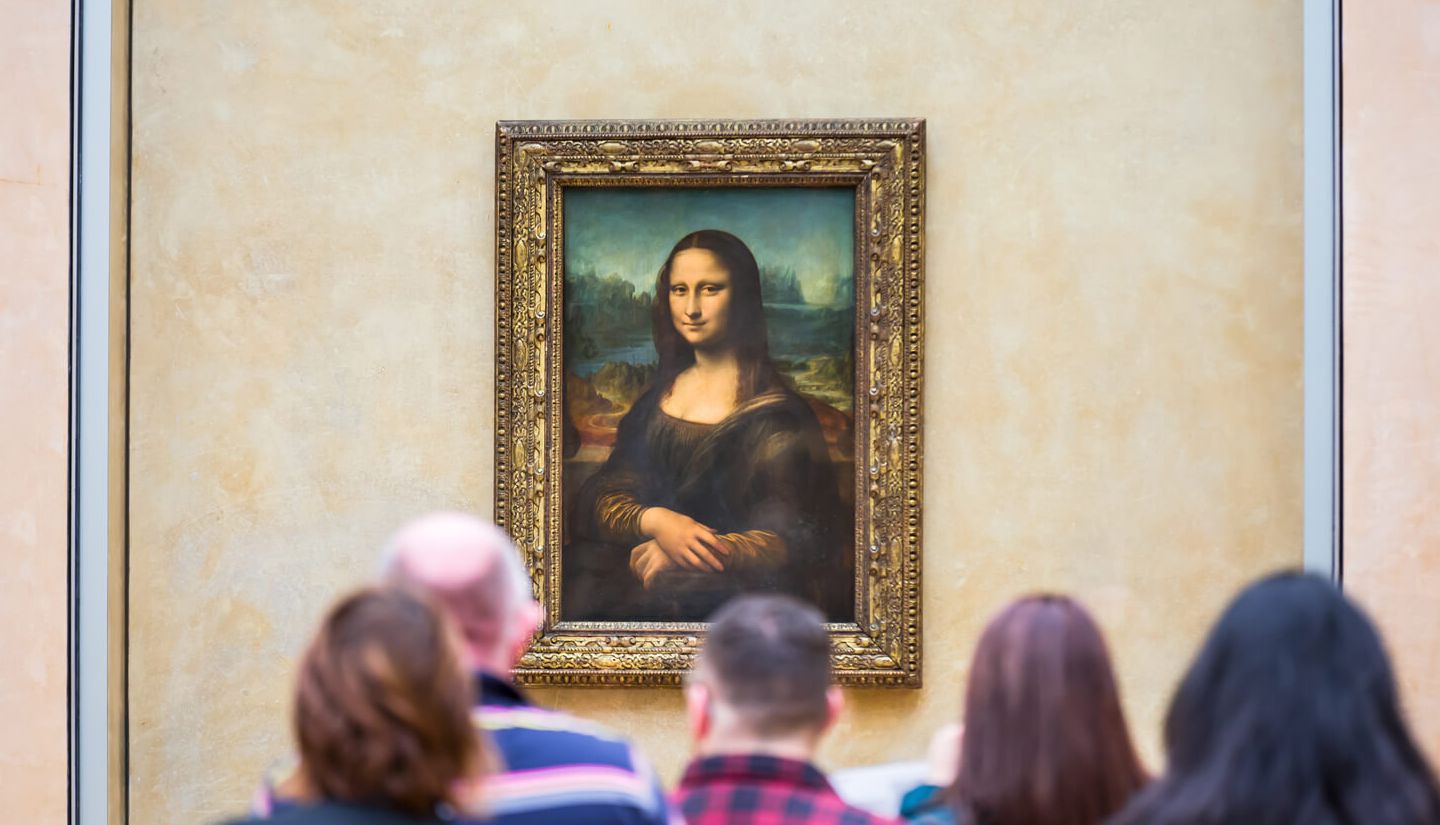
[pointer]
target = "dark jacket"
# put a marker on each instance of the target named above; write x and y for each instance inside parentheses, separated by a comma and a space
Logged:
(336, 813)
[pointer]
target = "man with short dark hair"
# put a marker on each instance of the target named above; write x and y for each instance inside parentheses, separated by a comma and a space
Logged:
(759, 701)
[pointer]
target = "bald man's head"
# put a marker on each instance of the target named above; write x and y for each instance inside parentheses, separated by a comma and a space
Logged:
(471, 567)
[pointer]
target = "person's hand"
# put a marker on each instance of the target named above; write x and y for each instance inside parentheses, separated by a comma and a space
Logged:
(943, 757)
(648, 561)
(687, 542)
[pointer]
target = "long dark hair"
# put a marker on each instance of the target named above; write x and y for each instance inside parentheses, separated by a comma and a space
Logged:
(748, 334)
(1289, 714)
(1045, 739)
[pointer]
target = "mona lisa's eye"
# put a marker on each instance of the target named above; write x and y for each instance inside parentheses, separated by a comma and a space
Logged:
(711, 289)
(677, 289)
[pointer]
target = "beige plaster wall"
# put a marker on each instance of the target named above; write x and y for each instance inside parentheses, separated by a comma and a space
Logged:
(1114, 315)
(1391, 179)
(34, 342)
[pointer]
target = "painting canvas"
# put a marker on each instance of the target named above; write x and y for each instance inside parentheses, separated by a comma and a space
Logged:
(708, 365)
(709, 359)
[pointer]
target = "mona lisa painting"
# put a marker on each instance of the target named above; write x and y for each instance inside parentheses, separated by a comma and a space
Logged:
(710, 444)
(708, 371)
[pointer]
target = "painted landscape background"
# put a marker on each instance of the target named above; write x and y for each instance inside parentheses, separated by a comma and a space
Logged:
(615, 243)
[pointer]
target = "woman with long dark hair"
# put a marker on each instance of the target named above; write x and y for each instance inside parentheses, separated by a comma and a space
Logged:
(382, 719)
(720, 480)
(1289, 716)
(1044, 740)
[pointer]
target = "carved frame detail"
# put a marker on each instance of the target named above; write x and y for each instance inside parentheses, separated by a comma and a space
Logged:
(884, 160)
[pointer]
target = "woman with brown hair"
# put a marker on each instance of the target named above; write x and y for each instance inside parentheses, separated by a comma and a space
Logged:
(382, 717)
(1045, 740)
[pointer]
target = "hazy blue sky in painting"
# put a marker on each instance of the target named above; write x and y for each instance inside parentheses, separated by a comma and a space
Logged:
(628, 232)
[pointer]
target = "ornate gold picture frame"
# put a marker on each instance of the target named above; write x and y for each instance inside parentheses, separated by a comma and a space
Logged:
(810, 483)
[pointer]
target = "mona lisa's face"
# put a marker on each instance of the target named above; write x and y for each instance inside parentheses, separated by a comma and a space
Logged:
(700, 298)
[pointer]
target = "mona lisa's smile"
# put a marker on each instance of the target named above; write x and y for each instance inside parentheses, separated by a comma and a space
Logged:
(700, 298)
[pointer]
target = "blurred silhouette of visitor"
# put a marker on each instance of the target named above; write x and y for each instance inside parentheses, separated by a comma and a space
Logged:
(552, 767)
(381, 717)
(759, 701)
(1044, 740)
(1289, 715)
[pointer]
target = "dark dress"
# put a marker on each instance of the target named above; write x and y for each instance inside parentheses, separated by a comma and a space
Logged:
(762, 479)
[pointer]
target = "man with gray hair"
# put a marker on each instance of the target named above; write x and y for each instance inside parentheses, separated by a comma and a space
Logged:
(471, 568)
(554, 768)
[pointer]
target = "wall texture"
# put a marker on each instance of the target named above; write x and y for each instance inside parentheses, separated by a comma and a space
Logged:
(1392, 346)
(1114, 316)
(34, 402)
